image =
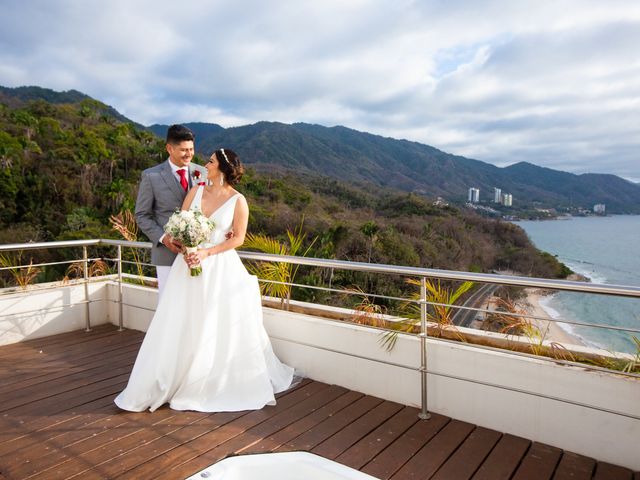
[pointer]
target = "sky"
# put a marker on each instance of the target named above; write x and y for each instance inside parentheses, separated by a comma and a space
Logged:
(554, 83)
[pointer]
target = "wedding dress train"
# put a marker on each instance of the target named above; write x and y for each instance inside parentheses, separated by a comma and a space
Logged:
(206, 348)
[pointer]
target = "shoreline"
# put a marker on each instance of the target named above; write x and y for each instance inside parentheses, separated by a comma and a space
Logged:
(551, 330)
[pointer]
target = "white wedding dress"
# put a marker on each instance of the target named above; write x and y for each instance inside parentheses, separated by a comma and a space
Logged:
(206, 348)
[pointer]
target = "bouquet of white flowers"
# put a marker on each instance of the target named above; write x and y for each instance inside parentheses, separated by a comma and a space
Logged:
(191, 228)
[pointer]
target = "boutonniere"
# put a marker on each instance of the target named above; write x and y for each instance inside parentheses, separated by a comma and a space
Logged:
(196, 176)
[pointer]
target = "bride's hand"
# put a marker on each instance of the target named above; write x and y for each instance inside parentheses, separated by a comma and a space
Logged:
(196, 257)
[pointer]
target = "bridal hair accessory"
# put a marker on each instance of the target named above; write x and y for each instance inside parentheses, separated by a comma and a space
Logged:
(225, 156)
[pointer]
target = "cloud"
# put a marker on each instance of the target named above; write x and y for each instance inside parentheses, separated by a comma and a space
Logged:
(556, 84)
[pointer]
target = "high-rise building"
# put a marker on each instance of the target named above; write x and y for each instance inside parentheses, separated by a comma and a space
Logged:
(507, 200)
(497, 195)
(474, 195)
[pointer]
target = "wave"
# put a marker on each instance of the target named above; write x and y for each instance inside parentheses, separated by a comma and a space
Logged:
(582, 269)
(545, 303)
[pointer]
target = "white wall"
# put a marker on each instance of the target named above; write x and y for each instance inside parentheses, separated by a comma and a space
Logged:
(39, 311)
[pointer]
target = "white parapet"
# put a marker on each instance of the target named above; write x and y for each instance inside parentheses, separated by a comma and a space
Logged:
(48, 309)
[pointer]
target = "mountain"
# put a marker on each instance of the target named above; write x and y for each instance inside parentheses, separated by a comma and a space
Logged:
(19, 96)
(201, 130)
(360, 157)
(363, 158)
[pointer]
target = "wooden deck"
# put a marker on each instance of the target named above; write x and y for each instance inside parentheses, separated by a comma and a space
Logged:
(58, 421)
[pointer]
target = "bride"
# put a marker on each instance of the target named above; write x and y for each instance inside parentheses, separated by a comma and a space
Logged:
(206, 348)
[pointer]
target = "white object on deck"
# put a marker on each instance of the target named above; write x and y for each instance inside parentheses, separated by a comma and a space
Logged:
(279, 466)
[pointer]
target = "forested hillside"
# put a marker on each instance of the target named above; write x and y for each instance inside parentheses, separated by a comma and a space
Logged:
(348, 154)
(65, 168)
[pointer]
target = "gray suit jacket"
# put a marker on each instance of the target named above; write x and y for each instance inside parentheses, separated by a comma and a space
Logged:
(159, 195)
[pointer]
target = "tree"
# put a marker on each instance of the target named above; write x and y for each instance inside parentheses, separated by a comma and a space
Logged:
(370, 230)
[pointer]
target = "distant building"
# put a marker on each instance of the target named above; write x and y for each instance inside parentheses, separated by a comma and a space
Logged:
(474, 195)
(440, 202)
(599, 209)
(507, 200)
(497, 195)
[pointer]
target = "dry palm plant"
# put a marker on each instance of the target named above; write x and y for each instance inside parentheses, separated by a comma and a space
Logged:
(125, 224)
(76, 270)
(513, 321)
(366, 312)
(633, 366)
(23, 275)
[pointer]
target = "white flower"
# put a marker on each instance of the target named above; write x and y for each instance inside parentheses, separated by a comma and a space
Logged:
(189, 227)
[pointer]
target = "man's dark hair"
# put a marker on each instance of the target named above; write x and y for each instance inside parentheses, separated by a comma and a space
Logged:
(179, 133)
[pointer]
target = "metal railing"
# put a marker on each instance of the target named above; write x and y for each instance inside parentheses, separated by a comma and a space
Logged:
(422, 273)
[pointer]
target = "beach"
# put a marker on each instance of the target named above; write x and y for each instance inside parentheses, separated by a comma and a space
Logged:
(551, 331)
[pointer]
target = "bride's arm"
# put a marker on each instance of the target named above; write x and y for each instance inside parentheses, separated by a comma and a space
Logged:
(240, 221)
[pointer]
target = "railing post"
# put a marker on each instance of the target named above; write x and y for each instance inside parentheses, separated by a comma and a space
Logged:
(120, 314)
(85, 263)
(424, 413)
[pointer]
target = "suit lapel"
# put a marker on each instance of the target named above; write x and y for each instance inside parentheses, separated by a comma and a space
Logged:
(172, 182)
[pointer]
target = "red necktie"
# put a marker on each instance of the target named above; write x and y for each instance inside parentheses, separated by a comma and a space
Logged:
(183, 179)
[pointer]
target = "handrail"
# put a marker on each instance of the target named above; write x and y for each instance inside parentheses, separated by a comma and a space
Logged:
(601, 288)
(56, 244)
(566, 285)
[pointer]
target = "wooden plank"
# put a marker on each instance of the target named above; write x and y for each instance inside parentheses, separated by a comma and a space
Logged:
(134, 449)
(431, 456)
(30, 380)
(239, 444)
(349, 435)
(20, 425)
(539, 463)
(52, 340)
(49, 346)
(366, 449)
(191, 443)
(59, 427)
(122, 364)
(35, 373)
(331, 426)
(41, 418)
(504, 459)
(71, 447)
(390, 460)
(469, 456)
(574, 467)
(56, 403)
(607, 471)
(135, 443)
(278, 439)
(45, 361)
(91, 451)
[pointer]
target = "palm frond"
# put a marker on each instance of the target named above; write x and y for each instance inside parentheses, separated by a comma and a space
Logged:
(22, 275)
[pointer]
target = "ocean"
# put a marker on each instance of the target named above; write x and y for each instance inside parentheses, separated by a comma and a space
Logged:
(607, 250)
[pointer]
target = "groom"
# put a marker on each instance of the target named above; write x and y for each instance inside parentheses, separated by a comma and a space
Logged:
(162, 190)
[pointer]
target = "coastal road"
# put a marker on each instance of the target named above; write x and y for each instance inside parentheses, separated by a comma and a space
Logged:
(463, 318)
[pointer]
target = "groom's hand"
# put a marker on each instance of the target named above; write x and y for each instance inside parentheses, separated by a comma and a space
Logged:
(171, 244)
